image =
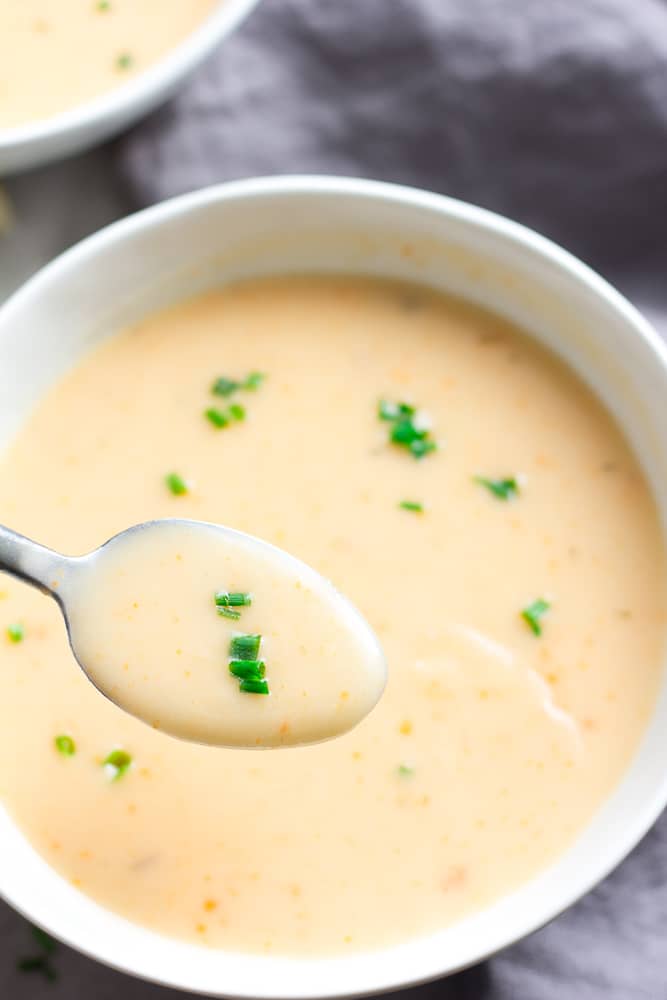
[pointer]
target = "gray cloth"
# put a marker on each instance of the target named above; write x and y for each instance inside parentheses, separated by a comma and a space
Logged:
(551, 111)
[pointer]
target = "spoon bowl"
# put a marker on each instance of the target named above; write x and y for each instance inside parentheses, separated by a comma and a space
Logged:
(209, 634)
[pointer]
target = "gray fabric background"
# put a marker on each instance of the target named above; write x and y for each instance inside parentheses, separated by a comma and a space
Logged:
(551, 111)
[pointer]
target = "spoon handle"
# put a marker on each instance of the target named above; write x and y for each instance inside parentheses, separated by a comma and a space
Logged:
(31, 562)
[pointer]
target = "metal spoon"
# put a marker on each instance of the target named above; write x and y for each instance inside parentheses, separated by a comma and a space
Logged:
(156, 568)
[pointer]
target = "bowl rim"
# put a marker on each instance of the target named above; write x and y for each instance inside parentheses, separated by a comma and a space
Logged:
(143, 90)
(637, 824)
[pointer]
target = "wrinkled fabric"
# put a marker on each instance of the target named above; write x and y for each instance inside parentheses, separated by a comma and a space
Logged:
(551, 111)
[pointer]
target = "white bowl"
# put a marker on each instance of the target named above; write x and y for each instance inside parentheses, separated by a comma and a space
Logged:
(328, 224)
(85, 125)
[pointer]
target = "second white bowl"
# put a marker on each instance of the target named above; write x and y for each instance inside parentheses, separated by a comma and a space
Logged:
(73, 131)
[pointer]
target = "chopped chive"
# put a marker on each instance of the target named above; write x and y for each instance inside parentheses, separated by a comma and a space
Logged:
(216, 417)
(235, 599)
(103, 5)
(532, 614)
(15, 632)
(124, 61)
(224, 386)
(176, 484)
(406, 410)
(44, 940)
(406, 770)
(228, 612)
(387, 410)
(226, 602)
(392, 411)
(236, 411)
(420, 447)
(254, 686)
(244, 647)
(503, 489)
(248, 670)
(117, 763)
(409, 429)
(65, 745)
(405, 432)
(253, 381)
(412, 505)
(40, 963)
(37, 963)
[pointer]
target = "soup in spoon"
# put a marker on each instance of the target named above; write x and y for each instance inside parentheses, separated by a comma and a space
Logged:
(217, 637)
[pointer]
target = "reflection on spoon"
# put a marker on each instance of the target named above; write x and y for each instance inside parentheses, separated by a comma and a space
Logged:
(210, 634)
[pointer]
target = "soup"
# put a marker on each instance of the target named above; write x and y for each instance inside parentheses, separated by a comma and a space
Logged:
(475, 502)
(274, 658)
(57, 54)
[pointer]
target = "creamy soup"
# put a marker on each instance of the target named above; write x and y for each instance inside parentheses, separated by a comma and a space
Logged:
(475, 502)
(216, 637)
(57, 54)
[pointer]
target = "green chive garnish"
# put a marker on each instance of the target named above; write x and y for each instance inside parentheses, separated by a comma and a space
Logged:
(124, 61)
(15, 632)
(44, 940)
(224, 599)
(421, 447)
(503, 489)
(532, 614)
(244, 647)
(413, 505)
(65, 745)
(406, 770)
(253, 381)
(237, 412)
(224, 386)
(37, 963)
(40, 963)
(176, 484)
(248, 670)
(387, 410)
(216, 417)
(254, 687)
(225, 602)
(406, 431)
(392, 411)
(245, 664)
(103, 5)
(117, 763)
